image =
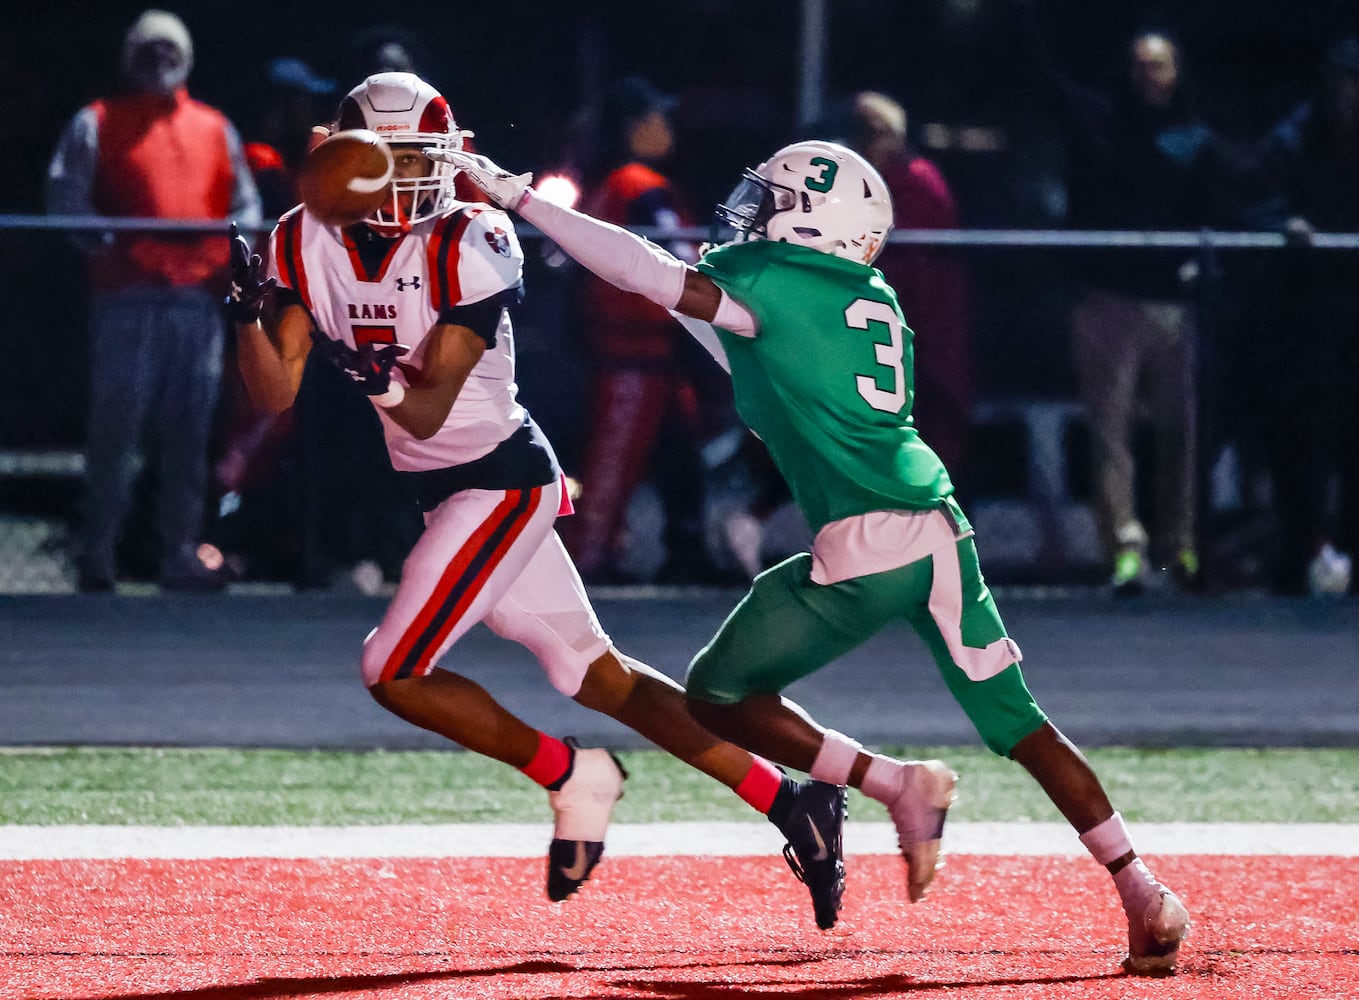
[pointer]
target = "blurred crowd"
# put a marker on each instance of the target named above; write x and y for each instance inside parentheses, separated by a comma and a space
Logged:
(1184, 362)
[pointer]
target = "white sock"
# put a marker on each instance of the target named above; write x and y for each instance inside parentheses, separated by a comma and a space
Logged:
(1108, 841)
(835, 759)
(1136, 886)
(884, 779)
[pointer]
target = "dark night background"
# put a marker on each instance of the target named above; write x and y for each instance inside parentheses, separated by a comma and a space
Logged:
(520, 73)
(517, 72)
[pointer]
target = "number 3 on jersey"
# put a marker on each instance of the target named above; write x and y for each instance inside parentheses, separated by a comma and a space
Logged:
(858, 316)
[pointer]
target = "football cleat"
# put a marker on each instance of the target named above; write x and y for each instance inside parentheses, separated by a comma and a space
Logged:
(1130, 574)
(582, 807)
(1154, 937)
(918, 814)
(813, 852)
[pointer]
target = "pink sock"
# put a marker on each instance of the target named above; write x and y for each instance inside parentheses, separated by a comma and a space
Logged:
(550, 761)
(1136, 886)
(761, 783)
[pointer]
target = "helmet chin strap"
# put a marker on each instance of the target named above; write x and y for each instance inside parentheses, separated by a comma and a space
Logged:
(400, 222)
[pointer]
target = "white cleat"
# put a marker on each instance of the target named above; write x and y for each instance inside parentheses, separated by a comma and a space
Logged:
(582, 807)
(918, 814)
(1154, 938)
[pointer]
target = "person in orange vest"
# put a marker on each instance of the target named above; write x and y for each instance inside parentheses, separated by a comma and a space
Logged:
(157, 330)
(643, 412)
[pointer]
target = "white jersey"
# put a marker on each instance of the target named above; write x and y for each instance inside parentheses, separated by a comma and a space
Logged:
(463, 256)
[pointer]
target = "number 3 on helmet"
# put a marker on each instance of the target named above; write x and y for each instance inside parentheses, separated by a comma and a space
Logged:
(406, 111)
(816, 194)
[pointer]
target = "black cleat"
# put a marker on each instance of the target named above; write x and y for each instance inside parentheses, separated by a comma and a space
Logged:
(582, 808)
(569, 864)
(813, 827)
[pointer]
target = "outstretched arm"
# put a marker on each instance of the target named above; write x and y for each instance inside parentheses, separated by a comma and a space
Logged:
(638, 265)
(618, 256)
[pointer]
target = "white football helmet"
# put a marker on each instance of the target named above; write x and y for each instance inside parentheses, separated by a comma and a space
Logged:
(816, 194)
(406, 111)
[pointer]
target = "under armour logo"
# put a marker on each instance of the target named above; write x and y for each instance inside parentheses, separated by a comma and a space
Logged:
(403, 283)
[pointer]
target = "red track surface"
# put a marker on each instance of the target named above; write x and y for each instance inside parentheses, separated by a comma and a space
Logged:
(682, 928)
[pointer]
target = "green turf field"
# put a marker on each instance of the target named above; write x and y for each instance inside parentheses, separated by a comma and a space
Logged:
(265, 787)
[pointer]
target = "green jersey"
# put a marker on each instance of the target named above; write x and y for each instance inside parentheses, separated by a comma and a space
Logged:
(827, 382)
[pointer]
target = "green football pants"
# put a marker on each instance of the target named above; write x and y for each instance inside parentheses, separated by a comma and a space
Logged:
(788, 626)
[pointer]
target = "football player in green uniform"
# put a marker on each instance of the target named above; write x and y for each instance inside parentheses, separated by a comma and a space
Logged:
(821, 363)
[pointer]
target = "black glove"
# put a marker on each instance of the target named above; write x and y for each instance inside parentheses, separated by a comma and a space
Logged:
(248, 290)
(369, 366)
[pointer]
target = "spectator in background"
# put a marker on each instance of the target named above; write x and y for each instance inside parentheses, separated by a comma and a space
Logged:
(1308, 388)
(930, 282)
(156, 321)
(1140, 157)
(387, 48)
(642, 396)
(295, 100)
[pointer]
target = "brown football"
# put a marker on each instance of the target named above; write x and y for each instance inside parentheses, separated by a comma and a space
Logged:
(346, 177)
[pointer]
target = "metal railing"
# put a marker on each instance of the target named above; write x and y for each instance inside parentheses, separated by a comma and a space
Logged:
(19, 465)
(1041, 238)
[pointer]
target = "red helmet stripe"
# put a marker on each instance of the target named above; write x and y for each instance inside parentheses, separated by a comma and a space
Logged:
(436, 117)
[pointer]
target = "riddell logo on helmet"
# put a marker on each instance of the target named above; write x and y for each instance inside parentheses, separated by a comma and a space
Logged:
(388, 127)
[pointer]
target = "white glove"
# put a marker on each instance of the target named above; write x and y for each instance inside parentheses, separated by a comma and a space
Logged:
(504, 188)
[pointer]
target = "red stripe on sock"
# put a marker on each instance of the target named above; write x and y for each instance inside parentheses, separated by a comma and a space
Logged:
(549, 762)
(760, 785)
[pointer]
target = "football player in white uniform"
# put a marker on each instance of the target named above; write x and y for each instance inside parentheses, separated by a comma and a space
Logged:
(415, 305)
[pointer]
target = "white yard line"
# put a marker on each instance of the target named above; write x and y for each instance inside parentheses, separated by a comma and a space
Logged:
(521, 840)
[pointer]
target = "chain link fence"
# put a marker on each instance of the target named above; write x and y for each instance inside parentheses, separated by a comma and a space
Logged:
(306, 500)
(309, 500)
